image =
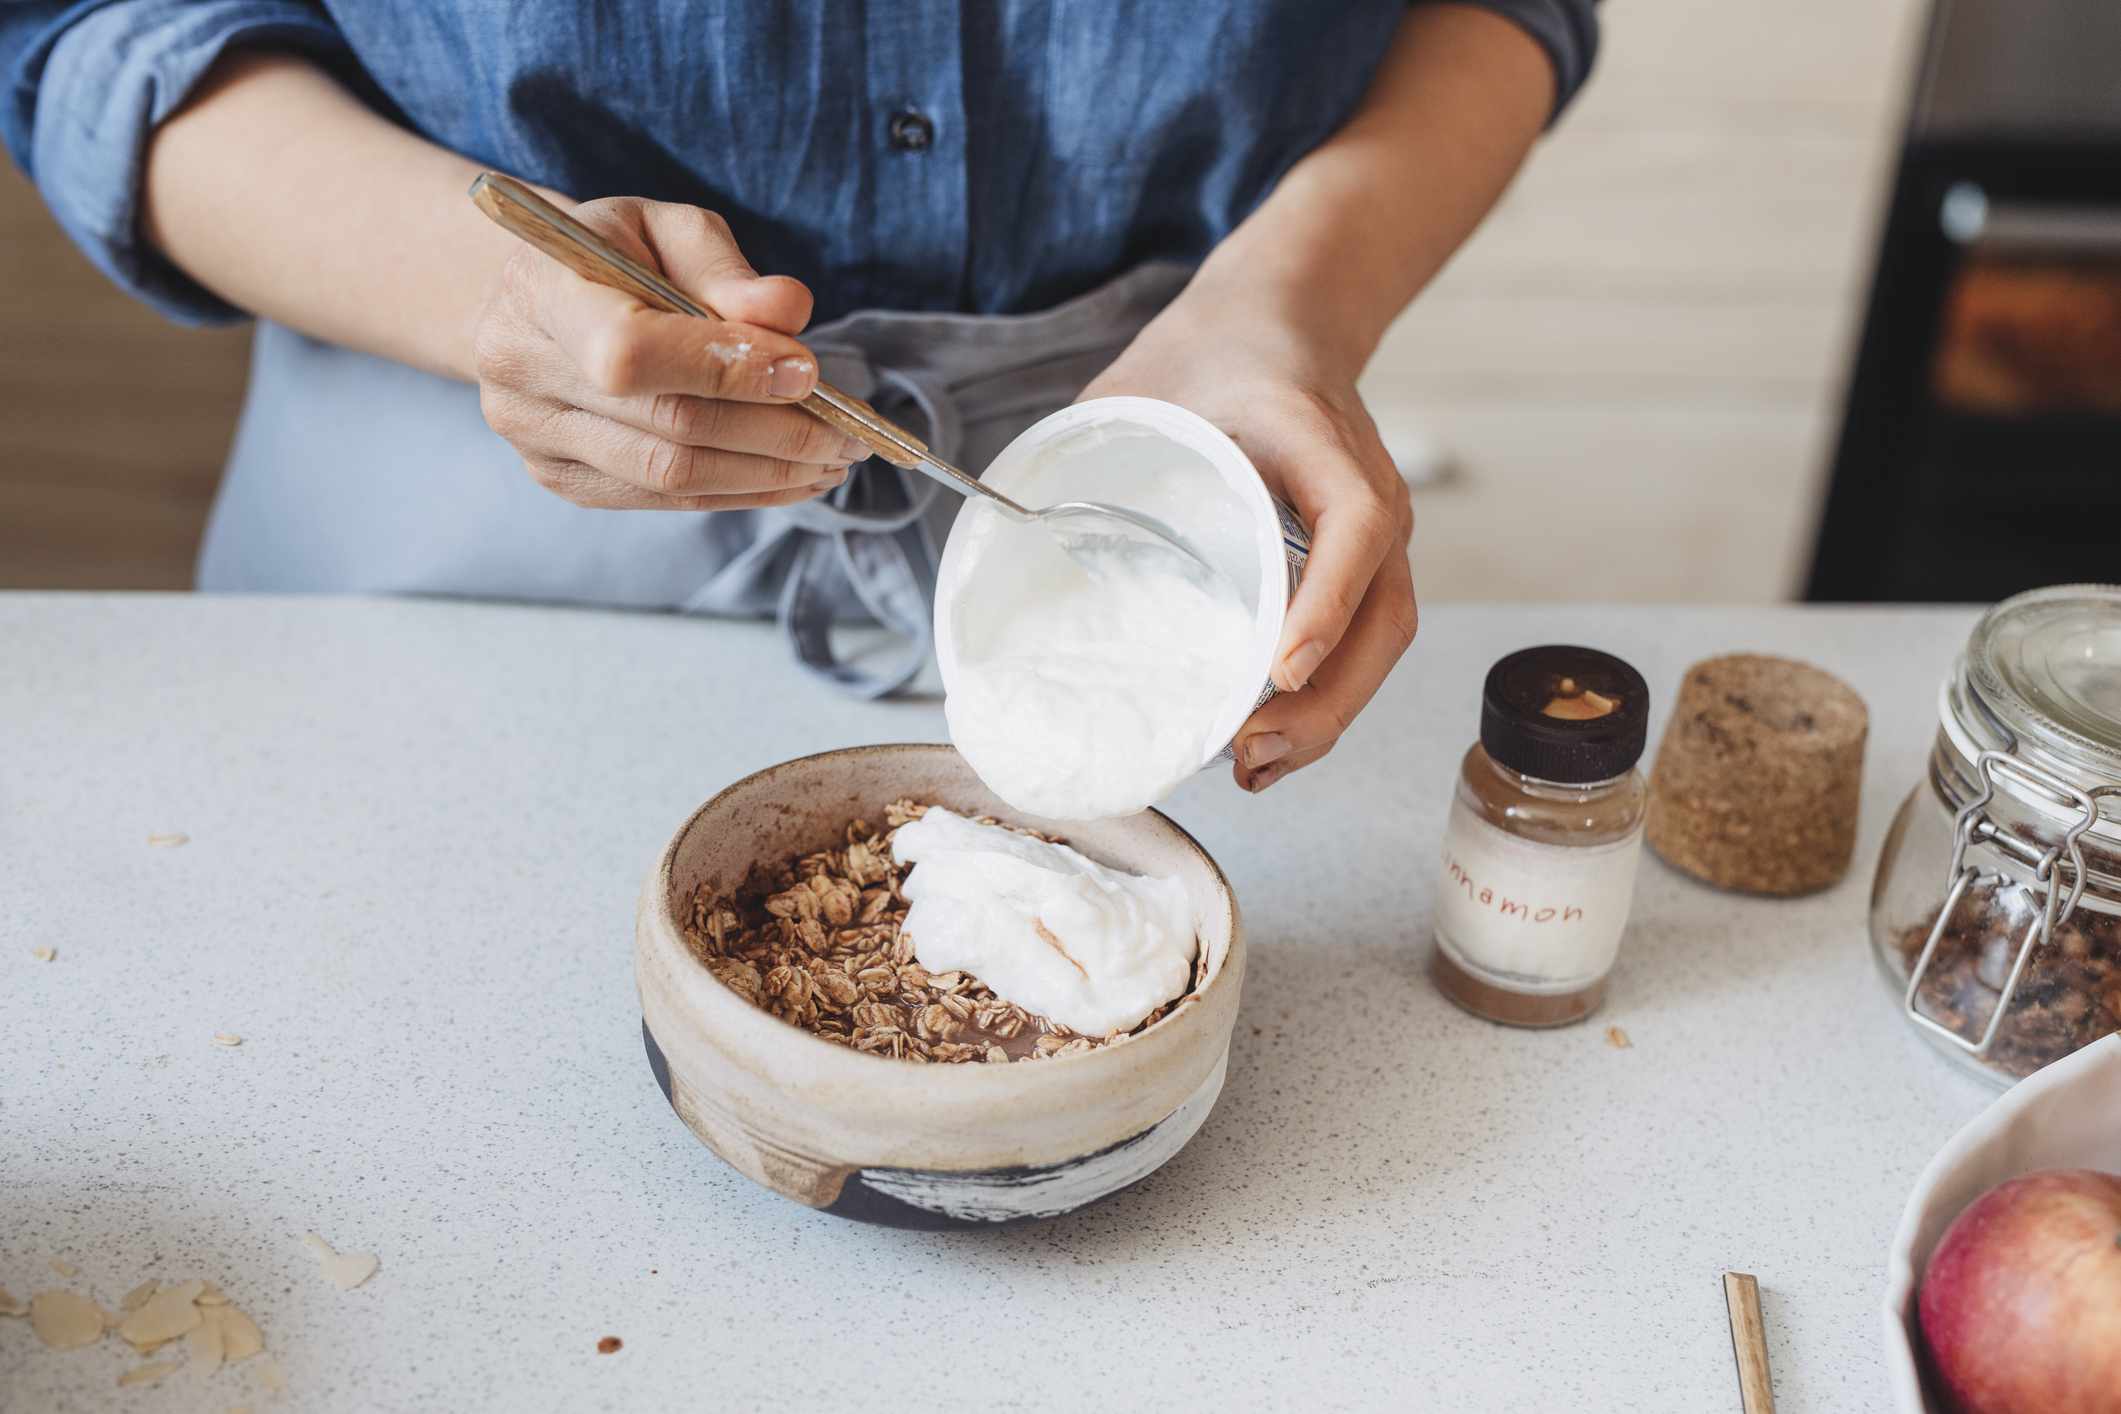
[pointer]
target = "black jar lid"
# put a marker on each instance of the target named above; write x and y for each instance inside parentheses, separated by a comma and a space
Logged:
(1563, 713)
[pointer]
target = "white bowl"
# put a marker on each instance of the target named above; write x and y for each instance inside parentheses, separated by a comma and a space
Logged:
(888, 1141)
(2066, 1115)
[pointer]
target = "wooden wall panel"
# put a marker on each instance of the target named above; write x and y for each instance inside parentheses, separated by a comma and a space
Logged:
(113, 422)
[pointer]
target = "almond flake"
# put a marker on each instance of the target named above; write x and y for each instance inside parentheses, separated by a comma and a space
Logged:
(271, 1376)
(11, 1305)
(202, 1346)
(168, 841)
(65, 1321)
(44, 954)
(164, 1316)
(65, 1269)
(149, 1374)
(1617, 1039)
(136, 1298)
(227, 1038)
(345, 1270)
(212, 1296)
(240, 1336)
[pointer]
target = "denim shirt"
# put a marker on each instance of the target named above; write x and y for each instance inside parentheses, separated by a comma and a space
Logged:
(989, 157)
(987, 199)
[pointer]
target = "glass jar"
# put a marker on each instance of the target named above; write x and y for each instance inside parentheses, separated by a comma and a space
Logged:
(1996, 911)
(1541, 844)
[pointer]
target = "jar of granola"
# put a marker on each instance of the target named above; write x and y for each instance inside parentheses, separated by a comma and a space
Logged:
(1996, 911)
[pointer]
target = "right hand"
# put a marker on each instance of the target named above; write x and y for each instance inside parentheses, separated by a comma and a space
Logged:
(616, 405)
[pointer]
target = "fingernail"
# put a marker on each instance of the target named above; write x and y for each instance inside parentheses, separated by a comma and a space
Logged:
(831, 479)
(790, 377)
(855, 451)
(1266, 776)
(1262, 747)
(1303, 660)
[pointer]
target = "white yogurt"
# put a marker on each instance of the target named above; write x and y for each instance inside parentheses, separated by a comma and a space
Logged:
(1082, 696)
(1060, 935)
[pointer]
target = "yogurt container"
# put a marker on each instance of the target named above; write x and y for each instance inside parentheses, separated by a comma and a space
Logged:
(1145, 455)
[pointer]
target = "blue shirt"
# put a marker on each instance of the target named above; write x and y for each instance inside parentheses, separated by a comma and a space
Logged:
(990, 157)
(1056, 167)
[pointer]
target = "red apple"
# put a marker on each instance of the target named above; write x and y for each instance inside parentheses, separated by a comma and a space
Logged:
(2021, 1304)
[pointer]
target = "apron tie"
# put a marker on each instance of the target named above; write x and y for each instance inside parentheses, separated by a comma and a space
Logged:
(869, 539)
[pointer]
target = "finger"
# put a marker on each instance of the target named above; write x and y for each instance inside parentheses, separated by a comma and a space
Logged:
(587, 486)
(786, 433)
(623, 349)
(697, 252)
(663, 467)
(1257, 780)
(1293, 729)
(1351, 533)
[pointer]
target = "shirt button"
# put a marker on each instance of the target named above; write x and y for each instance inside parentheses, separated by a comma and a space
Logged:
(911, 131)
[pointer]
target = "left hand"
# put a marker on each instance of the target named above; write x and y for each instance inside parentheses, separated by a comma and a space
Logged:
(1289, 401)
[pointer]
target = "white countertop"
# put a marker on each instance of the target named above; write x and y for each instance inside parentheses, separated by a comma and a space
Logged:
(416, 833)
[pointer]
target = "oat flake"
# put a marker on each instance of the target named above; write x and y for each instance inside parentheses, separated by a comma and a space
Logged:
(345, 1270)
(1618, 1039)
(44, 954)
(149, 1374)
(240, 1336)
(164, 1316)
(168, 841)
(202, 1346)
(65, 1321)
(227, 1038)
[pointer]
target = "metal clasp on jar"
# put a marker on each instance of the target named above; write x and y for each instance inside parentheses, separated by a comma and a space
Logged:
(2055, 905)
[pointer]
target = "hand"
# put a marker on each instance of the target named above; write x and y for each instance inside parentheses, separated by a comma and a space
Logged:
(616, 405)
(1289, 400)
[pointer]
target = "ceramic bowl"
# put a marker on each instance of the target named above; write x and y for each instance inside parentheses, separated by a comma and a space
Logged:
(2063, 1116)
(889, 1141)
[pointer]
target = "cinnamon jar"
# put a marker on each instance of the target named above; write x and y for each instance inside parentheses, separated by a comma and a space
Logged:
(1543, 838)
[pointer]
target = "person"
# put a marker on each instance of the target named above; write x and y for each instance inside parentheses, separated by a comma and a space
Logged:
(969, 214)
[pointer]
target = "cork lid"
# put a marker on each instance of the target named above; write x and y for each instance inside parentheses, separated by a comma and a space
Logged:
(1563, 713)
(2046, 666)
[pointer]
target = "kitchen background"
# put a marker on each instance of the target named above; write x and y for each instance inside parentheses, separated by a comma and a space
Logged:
(1634, 375)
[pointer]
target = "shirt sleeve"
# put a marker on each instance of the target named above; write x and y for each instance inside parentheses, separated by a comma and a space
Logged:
(85, 85)
(1566, 29)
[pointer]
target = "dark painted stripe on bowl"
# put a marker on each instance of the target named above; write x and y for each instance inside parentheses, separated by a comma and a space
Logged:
(863, 1202)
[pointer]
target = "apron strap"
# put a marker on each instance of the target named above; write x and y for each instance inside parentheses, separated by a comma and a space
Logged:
(870, 537)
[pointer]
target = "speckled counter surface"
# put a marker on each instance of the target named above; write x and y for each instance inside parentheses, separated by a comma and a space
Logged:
(416, 832)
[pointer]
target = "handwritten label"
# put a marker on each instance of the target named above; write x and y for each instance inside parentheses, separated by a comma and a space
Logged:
(1550, 915)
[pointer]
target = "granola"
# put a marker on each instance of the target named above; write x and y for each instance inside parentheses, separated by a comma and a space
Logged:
(2068, 997)
(818, 941)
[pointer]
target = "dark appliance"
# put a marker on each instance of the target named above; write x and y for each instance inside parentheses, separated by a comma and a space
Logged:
(1980, 448)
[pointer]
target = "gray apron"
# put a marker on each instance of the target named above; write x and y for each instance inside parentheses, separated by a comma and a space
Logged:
(353, 474)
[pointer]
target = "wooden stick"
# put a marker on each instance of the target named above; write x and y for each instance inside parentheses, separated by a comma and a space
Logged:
(1741, 1296)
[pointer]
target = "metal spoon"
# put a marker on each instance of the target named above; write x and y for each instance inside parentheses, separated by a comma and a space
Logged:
(1093, 533)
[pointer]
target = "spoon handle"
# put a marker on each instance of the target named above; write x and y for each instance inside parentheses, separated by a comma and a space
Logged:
(518, 209)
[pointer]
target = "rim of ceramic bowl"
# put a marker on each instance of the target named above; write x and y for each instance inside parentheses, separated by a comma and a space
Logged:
(729, 1009)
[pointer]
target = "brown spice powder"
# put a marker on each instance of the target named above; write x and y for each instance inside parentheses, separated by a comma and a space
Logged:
(818, 940)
